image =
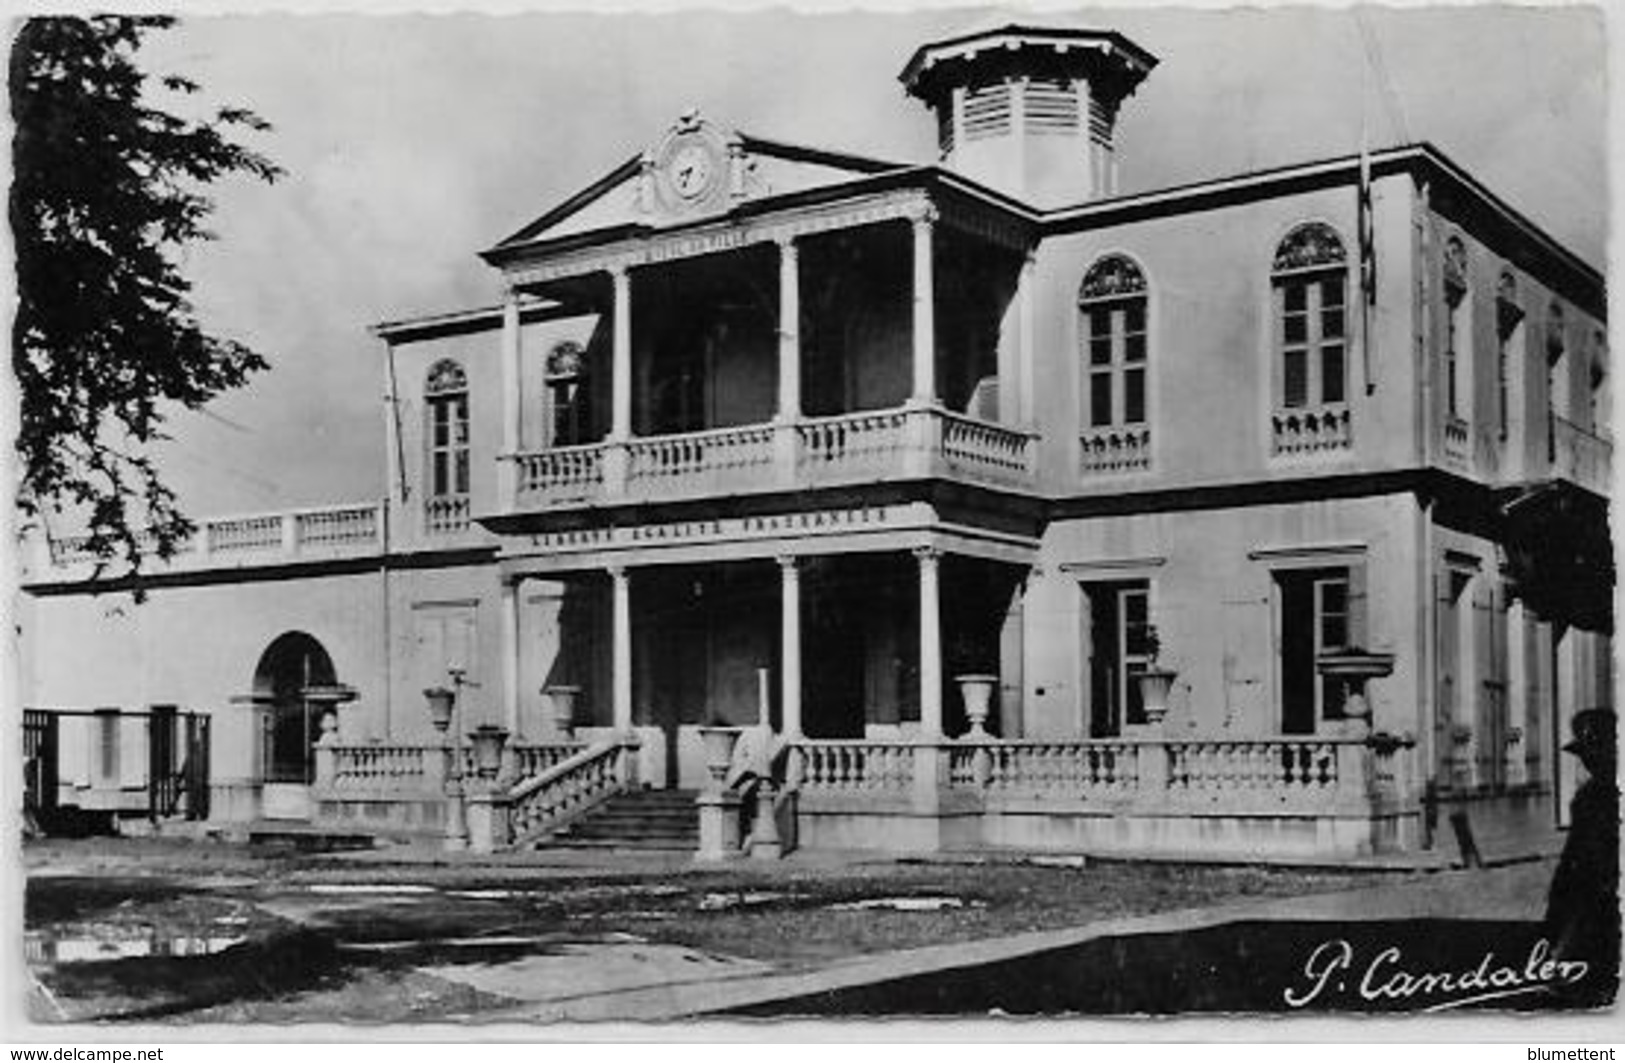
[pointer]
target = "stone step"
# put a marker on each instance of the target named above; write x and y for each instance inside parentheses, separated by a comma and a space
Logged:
(646, 819)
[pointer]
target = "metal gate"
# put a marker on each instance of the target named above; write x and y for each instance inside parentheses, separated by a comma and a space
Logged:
(40, 745)
(177, 774)
(177, 764)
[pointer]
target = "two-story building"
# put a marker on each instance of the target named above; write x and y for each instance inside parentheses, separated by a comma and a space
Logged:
(778, 437)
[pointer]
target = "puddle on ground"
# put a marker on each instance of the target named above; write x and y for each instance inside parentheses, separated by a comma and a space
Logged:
(617, 963)
(722, 902)
(343, 888)
(630, 889)
(905, 904)
(120, 943)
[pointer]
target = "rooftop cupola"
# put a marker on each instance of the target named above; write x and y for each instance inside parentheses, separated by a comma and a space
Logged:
(1027, 110)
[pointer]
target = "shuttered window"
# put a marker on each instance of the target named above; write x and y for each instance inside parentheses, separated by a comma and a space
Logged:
(987, 111)
(1051, 106)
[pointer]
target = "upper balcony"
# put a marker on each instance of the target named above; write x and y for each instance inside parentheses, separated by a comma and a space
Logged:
(904, 443)
(881, 346)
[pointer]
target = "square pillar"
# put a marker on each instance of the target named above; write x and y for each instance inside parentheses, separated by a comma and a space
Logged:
(620, 371)
(928, 558)
(925, 334)
(790, 646)
(510, 655)
(621, 649)
(789, 406)
(1025, 342)
(512, 353)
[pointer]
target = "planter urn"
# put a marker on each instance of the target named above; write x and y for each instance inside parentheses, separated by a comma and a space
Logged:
(719, 751)
(488, 740)
(440, 703)
(1353, 668)
(1154, 686)
(976, 691)
(563, 698)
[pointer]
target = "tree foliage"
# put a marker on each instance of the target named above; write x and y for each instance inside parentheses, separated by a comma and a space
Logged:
(107, 193)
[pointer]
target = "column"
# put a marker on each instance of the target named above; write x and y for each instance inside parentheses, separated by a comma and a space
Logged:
(507, 468)
(510, 656)
(790, 646)
(1519, 718)
(789, 410)
(789, 330)
(925, 335)
(1026, 342)
(620, 431)
(621, 356)
(930, 644)
(621, 648)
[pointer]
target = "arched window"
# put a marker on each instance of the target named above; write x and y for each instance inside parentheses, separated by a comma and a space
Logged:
(1508, 320)
(1458, 327)
(445, 397)
(1557, 374)
(1112, 305)
(1310, 281)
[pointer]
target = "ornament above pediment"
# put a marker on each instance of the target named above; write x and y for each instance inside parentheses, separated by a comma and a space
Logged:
(696, 167)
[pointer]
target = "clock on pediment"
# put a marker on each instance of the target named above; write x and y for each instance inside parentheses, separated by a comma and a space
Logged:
(690, 167)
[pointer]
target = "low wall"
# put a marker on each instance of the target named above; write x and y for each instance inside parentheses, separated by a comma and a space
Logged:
(405, 812)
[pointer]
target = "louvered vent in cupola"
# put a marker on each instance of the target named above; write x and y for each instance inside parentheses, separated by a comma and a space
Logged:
(1051, 106)
(1101, 119)
(987, 111)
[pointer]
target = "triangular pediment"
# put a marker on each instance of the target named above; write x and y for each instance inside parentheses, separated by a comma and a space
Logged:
(695, 170)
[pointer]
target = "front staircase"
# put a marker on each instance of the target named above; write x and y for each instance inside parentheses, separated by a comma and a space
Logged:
(640, 819)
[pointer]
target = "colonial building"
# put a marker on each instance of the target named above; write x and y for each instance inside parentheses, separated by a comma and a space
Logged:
(927, 476)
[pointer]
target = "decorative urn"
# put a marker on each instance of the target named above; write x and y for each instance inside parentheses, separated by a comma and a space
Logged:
(976, 690)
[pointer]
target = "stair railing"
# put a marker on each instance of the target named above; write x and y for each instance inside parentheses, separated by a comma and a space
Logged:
(547, 803)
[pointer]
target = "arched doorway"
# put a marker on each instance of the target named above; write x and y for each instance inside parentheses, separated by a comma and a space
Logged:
(296, 683)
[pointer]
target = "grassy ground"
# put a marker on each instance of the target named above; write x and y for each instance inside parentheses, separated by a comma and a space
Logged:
(317, 945)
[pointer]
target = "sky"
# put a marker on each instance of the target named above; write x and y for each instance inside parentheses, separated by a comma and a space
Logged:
(412, 142)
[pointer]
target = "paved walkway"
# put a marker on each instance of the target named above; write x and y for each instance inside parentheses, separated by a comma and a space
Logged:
(1513, 892)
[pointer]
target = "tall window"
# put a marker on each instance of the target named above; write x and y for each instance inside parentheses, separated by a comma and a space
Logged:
(1600, 413)
(1310, 276)
(1119, 617)
(1457, 342)
(446, 398)
(1317, 615)
(1112, 303)
(567, 394)
(1508, 318)
(1556, 374)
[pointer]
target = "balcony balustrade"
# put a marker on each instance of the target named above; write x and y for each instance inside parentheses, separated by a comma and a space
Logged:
(1581, 457)
(1115, 449)
(1457, 442)
(1311, 430)
(851, 448)
(263, 538)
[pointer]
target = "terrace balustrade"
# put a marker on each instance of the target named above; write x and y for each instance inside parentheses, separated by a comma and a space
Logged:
(903, 443)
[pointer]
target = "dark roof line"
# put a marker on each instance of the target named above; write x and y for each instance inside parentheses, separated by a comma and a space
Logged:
(819, 156)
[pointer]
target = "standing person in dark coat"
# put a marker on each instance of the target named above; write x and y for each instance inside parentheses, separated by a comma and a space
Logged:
(1582, 909)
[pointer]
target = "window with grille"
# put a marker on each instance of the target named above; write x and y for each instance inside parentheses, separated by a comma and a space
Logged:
(1051, 106)
(446, 403)
(987, 111)
(1112, 306)
(1310, 277)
